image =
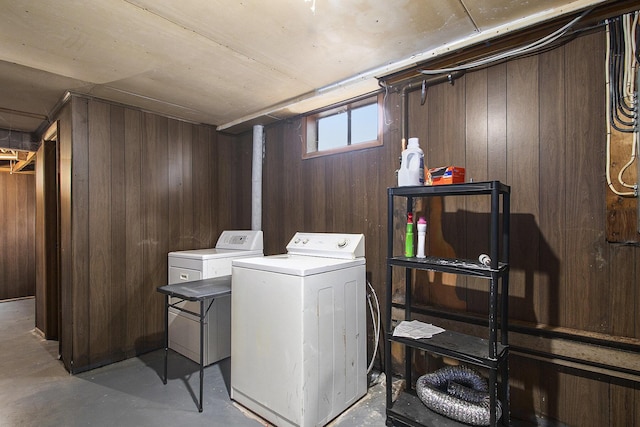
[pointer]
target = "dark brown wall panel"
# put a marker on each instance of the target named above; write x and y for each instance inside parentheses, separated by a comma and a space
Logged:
(155, 193)
(65, 233)
(40, 239)
(276, 214)
(46, 241)
(624, 406)
(225, 172)
(142, 185)
(445, 146)
(531, 393)
(80, 232)
(100, 239)
(17, 233)
(316, 194)
(178, 209)
(133, 234)
(201, 183)
(497, 119)
(231, 181)
(587, 252)
(118, 239)
(623, 276)
(585, 400)
(523, 170)
(553, 187)
(476, 129)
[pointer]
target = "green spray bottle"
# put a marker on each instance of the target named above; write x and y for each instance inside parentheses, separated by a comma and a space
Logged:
(408, 244)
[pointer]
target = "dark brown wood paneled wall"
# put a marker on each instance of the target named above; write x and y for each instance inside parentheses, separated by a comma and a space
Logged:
(17, 235)
(538, 125)
(135, 186)
(46, 237)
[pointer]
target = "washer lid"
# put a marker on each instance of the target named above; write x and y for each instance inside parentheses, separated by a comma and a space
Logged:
(296, 265)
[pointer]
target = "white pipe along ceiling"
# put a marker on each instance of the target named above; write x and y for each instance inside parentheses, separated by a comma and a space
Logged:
(233, 64)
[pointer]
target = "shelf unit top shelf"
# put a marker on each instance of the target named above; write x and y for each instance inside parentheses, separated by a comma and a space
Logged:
(463, 189)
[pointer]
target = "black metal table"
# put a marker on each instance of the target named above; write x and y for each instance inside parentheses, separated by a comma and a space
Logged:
(198, 290)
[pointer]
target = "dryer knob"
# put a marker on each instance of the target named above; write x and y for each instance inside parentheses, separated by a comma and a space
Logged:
(342, 243)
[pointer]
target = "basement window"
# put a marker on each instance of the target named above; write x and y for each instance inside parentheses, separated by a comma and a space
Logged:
(347, 127)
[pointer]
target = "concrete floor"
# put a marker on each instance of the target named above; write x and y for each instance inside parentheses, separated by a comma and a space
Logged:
(36, 390)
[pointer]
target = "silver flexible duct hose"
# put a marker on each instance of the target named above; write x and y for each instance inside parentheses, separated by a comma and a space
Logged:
(457, 392)
(465, 393)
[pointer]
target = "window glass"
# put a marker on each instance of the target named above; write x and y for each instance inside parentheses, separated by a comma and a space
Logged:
(332, 131)
(346, 127)
(364, 123)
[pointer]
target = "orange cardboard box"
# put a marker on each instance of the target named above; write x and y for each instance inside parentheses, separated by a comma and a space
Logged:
(446, 175)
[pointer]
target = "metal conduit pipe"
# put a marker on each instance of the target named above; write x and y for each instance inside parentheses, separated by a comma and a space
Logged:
(420, 83)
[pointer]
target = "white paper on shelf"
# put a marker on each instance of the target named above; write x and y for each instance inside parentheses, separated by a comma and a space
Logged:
(415, 329)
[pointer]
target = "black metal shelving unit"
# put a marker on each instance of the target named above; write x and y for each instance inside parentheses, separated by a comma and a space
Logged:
(490, 352)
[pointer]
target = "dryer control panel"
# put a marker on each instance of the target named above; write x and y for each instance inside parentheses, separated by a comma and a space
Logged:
(243, 240)
(328, 245)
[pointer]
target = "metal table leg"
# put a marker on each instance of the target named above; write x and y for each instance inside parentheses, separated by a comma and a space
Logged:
(203, 313)
(213, 288)
(166, 336)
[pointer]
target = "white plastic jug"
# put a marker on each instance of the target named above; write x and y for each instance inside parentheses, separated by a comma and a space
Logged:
(412, 165)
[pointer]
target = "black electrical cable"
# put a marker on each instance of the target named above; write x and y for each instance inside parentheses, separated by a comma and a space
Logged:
(612, 108)
(614, 65)
(613, 86)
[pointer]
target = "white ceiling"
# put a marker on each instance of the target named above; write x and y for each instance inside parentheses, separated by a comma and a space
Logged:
(228, 62)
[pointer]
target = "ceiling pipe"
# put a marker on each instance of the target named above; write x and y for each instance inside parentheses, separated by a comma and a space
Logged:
(8, 155)
(411, 85)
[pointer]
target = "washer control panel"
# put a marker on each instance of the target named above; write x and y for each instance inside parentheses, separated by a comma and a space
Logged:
(328, 245)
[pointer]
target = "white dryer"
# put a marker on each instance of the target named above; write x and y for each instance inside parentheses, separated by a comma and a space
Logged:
(187, 266)
(298, 330)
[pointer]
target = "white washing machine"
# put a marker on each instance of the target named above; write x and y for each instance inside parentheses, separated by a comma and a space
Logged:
(187, 266)
(298, 330)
